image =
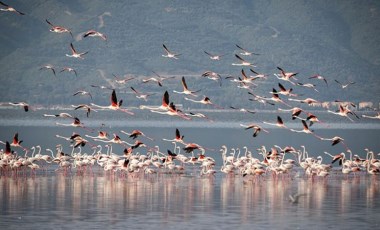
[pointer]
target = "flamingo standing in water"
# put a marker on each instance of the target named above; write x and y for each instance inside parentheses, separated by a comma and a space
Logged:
(115, 105)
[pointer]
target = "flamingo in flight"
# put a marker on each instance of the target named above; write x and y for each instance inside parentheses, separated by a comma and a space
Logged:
(63, 115)
(49, 67)
(159, 79)
(257, 129)
(295, 112)
(143, 96)
(164, 104)
(344, 111)
(213, 76)
(345, 85)
(372, 117)
(335, 140)
(286, 76)
(122, 81)
(24, 105)
(204, 101)
(75, 123)
(94, 33)
(319, 77)
(115, 105)
(85, 107)
(286, 92)
(169, 54)
(243, 110)
(83, 93)
(242, 62)
(305, 130)
(308, 101)
(178, 138)
(75, 54)
(59, 29)
(245, 52)
(69, 69)
(9, 9)
(279, 123)
(186, 91)
(172, 111)
(308, 85)
(213, 56)
(135, 133)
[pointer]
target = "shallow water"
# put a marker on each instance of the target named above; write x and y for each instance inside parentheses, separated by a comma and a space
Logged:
(53, 200)
(187, 202)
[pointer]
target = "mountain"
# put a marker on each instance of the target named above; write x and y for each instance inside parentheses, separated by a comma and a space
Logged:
(336, 39)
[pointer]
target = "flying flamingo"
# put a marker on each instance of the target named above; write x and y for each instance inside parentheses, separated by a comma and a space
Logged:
(243, 110)
(286, 76)
(186, 91)
(279, 123)
(82, 92)
(308, 85)
(213, 56)
(295, 112)
(319, 77)
(69, 69)
(255, 127)
(86, 107)
(93, 33)
(335, 140)
(49, 67)
(115, 105)
(159, 79)
(345, 85)
(143, 96)
(169, 54)
(286, 92)
(308, 101)
(135, 133)
(372, 117)
(343, 111)
(63, 115)
(75, 123)
(164, 104)
(305, 130)
(245, 52)
(24, 105)
(9, 9)
(213, 76)
(122, 81)
(75, 54)
(172, 111)
(205, 101)
(59, 29)
(242, 62)
(178, 138)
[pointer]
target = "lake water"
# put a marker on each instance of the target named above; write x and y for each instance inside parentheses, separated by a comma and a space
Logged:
(99, 201)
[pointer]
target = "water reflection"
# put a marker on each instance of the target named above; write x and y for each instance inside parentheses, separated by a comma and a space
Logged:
(167, 200)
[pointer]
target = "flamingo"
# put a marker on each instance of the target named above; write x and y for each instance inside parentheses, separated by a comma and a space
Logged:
(172, 111)
(159, 79)
(75, 54)
(94, 33)
(285, 92)
(245, 52)
(143, 96)
(169, 54)
(295, 112)
(69, 69)
(343, 111)
(86, 107)
(10, 9)
(307, 85)
(243, 110)
(242, 62)
(59, 29)
(135, 133)
(122, 81)
(83, 92)
(345, 85)
(186, 91)
(63, 115)
(115, 105)
(308, 101)
(213, 76)
(49, 67)
(178, 138)
(279, 123)
(164, 104)
(213, 56)
(305, 130)
(319, 77)
(286, 76)
(24, 105)
(204, 101)
(255, 127)
(372, 117)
